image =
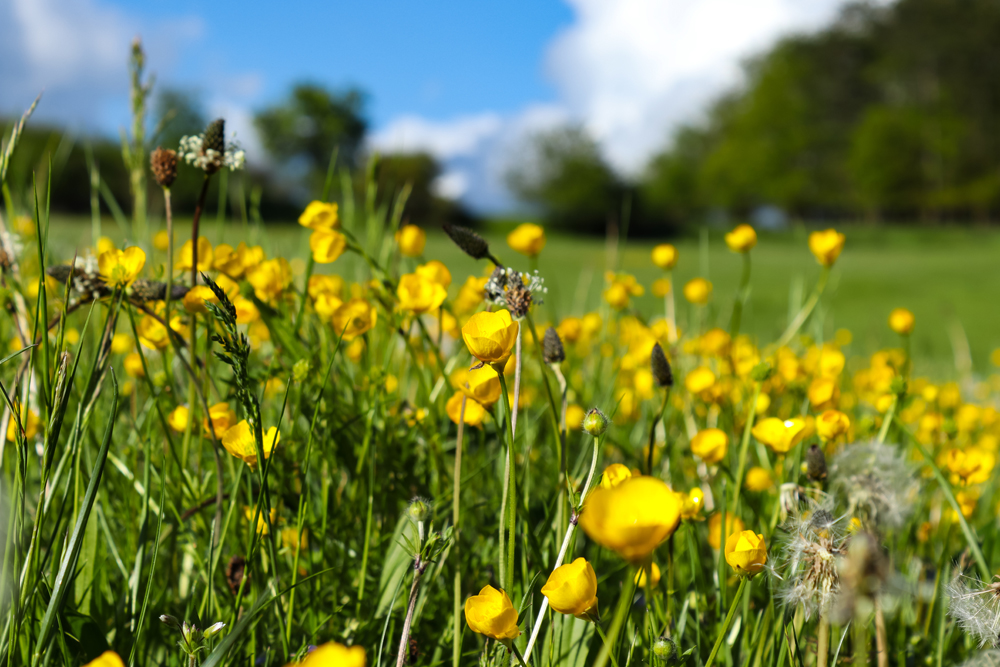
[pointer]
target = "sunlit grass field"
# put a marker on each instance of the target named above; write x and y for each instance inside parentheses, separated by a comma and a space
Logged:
(942, 274)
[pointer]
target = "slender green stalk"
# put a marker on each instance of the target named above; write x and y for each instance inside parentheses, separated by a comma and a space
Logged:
(621, 612)
(511, 476)
(741, 297)
(744, 581)
(657, 417)
(745, 447)
(456, 515)
(806, 310)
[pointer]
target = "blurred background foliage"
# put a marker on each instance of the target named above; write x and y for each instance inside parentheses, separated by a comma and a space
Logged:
(889, 113)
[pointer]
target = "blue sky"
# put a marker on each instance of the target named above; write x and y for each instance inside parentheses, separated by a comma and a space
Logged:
(469, 82)
(434, 59)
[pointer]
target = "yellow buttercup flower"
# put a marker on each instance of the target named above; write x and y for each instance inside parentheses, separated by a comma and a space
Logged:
(29, 422)
(105, 244)
(262, 523)
(327, 245)
(222, 417)
(178, 419)
(411, 240)
(665, 256)
(746, 553)
(699, 380)
(614, 475)
(239, 441)
(482, 385)
(246, 310)
(693, 501)
(320, 215)
(710, 445)
(226, 260)
(972, 465)
(333, 654)
(780, 435)
(617, 296)
(152, 334)
(194, 300)
(640, 576)
(826, 246)
(120, 268)
(161, 240)
(418, 294)
(758, 479)
(185, 256)
(574, 417)
(250, 256)
(632, 518)
(823, 393)
(572, 589)
(270, 279)
(901, 321)
(133, 365)
(741, 239)
(437, 272)
(354, 318)
(661, 287)
(106, 659)
(832, 424)
(527, 239)
(491, 614)
(490, 337)
(698, 291)
(474, 411)
(715, 533)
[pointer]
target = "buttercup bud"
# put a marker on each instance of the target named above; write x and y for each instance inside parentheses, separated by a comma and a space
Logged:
(815, 463)
(471, 243)
(300, 370)
(163, 162)
(662, 373)
(761, 372)
(419, 510)
(665, 649)
(552, 347)
(595, 423)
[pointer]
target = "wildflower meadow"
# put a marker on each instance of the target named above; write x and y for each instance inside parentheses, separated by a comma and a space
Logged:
(215, 454)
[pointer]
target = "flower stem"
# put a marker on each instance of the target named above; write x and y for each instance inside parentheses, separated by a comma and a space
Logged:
(652, 430)
(562, 550)
(806, 311)
(741, 297)
(511, 483)
(729, 621)
(823, 641)
(456, 506)
(621, 612)
(744, 447)
(418, 569)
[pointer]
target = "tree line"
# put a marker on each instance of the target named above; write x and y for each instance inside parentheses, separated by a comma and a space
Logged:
(891, 112)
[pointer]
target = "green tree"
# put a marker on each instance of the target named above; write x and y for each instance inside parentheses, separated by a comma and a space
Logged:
(418, 172)
(564, 174)
(303, 131)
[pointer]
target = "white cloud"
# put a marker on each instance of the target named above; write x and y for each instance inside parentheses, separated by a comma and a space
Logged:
(476, 151)
(632, 69)
(76, 51)
(628, 70)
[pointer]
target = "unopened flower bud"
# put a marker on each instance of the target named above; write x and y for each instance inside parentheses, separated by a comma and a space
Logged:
(170, 620)
(214, 629)
(666, 650)
(552, 347)
(662, 372)
(595, 423)
(761, 372)
(300, 370)
(815, 463)
(419, 510)
(471, 243)
(898, 385)
(215, 136)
